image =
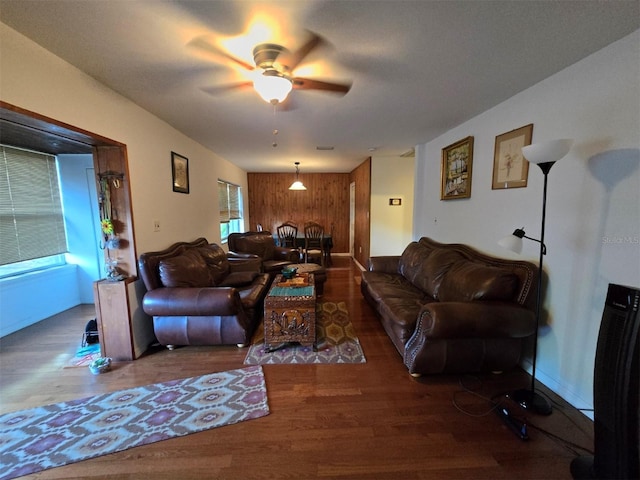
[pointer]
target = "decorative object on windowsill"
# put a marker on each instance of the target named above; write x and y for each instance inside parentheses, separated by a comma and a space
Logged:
(111, 267)
(297, 185)
(107, 226)
(100, 365)
(111, 240)
(545, 155)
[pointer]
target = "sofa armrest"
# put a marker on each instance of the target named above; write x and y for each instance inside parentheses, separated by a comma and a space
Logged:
(244, 262)
(240, 256)
(475, 319)
(286, 254)
(384, 264)
(205, 301)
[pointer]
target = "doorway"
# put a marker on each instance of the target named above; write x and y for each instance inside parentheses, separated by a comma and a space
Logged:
(352, 218)
(29, 130)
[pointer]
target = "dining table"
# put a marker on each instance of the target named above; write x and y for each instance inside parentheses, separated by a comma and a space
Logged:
(327, 241)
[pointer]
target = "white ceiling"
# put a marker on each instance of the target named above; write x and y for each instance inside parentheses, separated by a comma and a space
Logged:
(418, 68)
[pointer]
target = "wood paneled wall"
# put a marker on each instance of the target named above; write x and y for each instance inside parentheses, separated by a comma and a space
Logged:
(361, 176)
(325, 201)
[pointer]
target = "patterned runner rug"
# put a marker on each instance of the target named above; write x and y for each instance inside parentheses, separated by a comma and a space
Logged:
(45, 437)
(336, 341)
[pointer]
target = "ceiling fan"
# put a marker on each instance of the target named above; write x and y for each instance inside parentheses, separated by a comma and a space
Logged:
(274, 70)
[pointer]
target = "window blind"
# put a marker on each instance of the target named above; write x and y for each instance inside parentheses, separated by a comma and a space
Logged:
(31, 217)
(229, 201)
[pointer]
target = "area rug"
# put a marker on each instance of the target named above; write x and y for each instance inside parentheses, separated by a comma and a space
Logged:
(336, 342)
(54, 435)
(84, 356)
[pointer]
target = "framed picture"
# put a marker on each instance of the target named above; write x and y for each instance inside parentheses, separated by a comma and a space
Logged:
(457, 160)
(510, 169)
(180, 173)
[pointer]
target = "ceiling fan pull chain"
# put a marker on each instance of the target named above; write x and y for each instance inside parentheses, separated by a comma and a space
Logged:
(275, 130)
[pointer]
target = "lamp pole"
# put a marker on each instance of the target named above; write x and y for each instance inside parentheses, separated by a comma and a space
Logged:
(529, 399)
(545, 155)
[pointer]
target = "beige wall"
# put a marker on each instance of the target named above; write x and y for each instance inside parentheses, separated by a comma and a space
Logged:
(593, 215)
(36, 80)
(391, 225)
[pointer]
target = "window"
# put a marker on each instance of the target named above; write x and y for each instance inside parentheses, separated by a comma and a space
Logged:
(32, 232)
(230, 203)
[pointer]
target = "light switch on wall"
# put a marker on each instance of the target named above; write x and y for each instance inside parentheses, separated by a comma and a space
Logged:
(156, 225)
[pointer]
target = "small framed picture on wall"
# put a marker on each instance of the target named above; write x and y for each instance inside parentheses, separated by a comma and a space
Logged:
(180, 173)
(510, 169)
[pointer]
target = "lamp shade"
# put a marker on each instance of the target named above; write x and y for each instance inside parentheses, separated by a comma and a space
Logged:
(297, 185)
(544, 152)
(272, 87)
(511, 242)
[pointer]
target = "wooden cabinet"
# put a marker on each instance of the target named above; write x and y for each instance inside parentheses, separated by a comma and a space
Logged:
(114, 319)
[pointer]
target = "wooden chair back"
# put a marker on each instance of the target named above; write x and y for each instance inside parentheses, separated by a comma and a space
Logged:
(314, 242)
(287, 233)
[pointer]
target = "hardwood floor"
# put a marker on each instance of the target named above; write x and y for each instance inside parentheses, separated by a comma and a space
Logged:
(368, 421)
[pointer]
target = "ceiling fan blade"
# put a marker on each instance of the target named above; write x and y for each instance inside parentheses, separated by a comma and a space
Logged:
(309, 84)
(220, 89)
(202, 44)
(293, 60)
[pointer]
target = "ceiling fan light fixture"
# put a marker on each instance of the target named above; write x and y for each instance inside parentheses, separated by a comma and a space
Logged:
(272, 86)
(297, 185)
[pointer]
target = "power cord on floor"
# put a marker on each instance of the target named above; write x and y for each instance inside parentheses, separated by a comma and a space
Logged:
(520, 424)
(473, 391)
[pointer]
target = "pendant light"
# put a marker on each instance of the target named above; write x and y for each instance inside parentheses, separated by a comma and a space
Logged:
(297, 185)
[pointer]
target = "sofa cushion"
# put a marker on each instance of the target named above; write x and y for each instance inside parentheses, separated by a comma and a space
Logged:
(425, 267)
(411, 263)
(186, 270)
(261, 245)
(391, 285)
(216, 262)
(466, 281)
(238, 279)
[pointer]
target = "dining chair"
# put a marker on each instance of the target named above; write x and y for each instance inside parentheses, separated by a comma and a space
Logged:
(287, 233)
(314, 242)
(327, 247)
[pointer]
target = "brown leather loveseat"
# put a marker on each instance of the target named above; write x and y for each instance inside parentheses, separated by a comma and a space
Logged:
(451, 309)
(198, 296)
(262, 244)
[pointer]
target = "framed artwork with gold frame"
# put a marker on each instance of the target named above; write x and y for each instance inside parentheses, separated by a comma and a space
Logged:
(510, 168)
(457, 160)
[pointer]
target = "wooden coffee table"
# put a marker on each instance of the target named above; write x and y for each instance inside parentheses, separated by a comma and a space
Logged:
(290, 312)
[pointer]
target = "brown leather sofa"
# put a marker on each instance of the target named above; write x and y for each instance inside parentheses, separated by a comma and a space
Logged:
(198, 296)
(262, 244)
(451, 309)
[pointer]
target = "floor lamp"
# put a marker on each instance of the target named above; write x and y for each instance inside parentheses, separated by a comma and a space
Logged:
(544, 155)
